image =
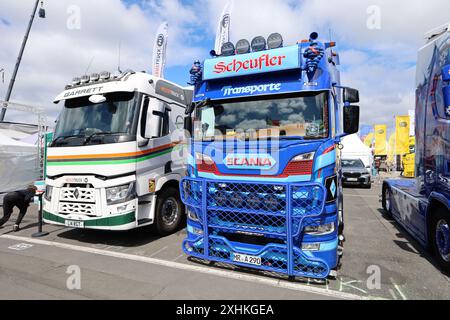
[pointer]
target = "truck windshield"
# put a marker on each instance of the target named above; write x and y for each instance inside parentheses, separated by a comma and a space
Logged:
(84, 123)
(290, 117)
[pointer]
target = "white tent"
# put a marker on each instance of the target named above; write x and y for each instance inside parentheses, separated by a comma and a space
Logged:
(19, 164)
(354, 148)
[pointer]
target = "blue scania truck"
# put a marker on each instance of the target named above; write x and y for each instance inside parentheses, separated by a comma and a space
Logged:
(263, 186)
(422, 206)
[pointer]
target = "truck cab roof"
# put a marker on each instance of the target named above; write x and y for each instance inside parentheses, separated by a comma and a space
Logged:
(128, 81)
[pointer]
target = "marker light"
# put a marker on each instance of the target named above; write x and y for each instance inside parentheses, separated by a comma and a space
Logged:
(94, 77)
(258, 44)
(85, 79)
(275, 41)
(242, 46)
(76, 81)
(228, 49)
(105, 75)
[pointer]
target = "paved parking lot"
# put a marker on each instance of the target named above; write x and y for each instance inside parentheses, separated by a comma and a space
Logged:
(139, 265)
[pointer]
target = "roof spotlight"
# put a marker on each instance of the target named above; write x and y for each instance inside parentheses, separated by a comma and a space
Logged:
(85, 79)
(242, 46)
(94, 77)
(228, 49)
(258, 44)
(275, 41)
(105, 75)
(76, 81)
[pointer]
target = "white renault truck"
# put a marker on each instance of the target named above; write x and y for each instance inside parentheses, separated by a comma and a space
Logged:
(111, 163)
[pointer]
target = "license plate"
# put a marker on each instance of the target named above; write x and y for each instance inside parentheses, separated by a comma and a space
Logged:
(74, 224)
(352, 179)
(242, 258)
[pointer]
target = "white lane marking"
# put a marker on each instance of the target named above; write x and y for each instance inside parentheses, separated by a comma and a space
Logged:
(158, 251)
(192, 268)
(20, 246)
(179, 257)
(397, 287)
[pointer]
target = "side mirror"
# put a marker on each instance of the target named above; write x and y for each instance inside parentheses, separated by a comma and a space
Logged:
(446, 95)
(188, 124)
(351, 95)
(351, 119)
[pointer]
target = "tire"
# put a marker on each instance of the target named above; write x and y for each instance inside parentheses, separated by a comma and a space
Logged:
(169, 212)
(440, 237)
(386, 199)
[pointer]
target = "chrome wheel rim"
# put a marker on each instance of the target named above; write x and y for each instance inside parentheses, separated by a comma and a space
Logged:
(170, 211)
(443, 239)
(388, 200)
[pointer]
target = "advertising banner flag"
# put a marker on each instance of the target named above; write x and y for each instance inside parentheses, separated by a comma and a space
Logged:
(368, 141)
(223, 28)
(402, 125)
(160, 50)
(380, 140)
(391, 148)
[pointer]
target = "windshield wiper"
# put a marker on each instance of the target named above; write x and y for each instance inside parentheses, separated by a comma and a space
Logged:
(61, 139)
(100, 134)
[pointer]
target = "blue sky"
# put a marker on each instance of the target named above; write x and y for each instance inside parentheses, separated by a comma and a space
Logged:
(378, 61)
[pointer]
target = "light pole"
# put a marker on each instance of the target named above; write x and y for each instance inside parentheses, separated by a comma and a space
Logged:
(19, 58)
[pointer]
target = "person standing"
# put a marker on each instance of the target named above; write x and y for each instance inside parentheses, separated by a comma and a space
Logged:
(20, 199)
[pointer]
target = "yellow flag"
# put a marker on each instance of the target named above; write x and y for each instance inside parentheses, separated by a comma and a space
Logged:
(380, 140)
(402, 135)
(369, 140)
(391, 149)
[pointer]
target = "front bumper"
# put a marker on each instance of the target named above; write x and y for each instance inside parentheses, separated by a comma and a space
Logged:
(122, 222)
(269, 217)
(361, 181)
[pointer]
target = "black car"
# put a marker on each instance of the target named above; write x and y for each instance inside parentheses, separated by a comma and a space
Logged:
(355, 173)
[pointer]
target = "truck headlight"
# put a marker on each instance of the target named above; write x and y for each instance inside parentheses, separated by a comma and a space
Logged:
(48, 193)
(115, 195)
(321, 230)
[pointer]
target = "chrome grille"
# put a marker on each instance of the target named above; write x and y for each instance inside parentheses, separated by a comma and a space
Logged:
(83, 195)
(77, 208)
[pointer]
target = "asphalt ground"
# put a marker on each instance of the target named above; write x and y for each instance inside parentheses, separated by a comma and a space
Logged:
(380, 262)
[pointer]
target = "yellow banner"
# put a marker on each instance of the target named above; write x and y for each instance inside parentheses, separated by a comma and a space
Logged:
(391, 148)
(369, 140)
(380, 140)
(402, 124)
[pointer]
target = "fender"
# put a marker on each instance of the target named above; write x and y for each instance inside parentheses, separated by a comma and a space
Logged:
(163, 180)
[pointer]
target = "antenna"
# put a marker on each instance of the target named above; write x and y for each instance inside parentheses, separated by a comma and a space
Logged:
(118, 62)
(89, 65)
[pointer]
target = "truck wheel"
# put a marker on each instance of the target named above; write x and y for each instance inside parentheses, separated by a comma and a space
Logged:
(169, 212)
(440, 238)
(386, 199)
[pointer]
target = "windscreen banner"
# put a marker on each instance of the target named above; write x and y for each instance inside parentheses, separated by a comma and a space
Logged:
(252, 63)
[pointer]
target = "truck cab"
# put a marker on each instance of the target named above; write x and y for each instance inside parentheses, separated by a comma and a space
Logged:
(422, 205)
(263, 186)
(112, 164)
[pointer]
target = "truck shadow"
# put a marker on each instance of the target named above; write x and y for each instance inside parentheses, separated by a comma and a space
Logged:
(409, 244)
(128, 239)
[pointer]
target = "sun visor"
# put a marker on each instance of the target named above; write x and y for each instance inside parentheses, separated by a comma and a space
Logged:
(99, 88)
